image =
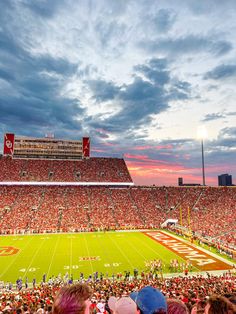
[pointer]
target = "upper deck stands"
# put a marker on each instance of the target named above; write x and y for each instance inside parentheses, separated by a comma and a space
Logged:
(85, 170)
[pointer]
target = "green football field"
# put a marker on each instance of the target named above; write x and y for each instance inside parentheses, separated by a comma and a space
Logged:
(54, 254)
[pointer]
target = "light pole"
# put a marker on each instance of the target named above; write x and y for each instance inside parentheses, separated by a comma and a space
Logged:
(203, 165)
(202, 134)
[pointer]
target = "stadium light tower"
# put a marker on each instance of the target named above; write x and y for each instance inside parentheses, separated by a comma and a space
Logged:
(202, 134)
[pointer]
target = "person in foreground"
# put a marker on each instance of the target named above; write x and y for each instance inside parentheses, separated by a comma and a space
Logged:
(175, 306)
(219, 305)
(124, 305)
(72, 300)
(149, 301)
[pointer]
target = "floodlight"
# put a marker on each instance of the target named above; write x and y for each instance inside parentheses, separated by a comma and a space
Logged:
(202, 134)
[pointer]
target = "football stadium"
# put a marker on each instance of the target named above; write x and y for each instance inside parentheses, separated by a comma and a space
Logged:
(67, 217)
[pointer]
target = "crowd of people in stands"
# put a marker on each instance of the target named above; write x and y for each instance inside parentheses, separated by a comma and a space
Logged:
(194, 292)
(208, 212)
(85, 170)
(80, 208)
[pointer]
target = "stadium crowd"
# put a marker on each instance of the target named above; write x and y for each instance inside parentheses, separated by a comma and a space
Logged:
(80, 208)
(84, 170)
(193, 291)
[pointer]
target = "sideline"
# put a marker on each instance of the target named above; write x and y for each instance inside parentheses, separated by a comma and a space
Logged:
(79, 232)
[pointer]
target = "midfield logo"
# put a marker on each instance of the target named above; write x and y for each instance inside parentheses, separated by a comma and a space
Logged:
(89, 258)
(8, 250)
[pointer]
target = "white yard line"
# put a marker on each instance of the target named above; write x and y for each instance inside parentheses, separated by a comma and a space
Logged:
(128, 260)
(139, 251)
(71, 254)
(36, 252)
(54, 252)
(107, 256)
(152, 249)
(91, 265)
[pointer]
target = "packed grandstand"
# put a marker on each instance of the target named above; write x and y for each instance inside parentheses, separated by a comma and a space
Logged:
(95, 193)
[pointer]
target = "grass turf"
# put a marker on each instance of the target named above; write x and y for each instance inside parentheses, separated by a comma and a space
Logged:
(54, 254)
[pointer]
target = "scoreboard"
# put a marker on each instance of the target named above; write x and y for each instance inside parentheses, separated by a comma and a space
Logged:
(46, 148)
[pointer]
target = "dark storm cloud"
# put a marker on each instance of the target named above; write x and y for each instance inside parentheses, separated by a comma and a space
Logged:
(155, 71)
(179, 90)
(103, 90)
(33, 112)
(34, 76)
(221, 72)
(5, 75)
(164, 20)
(30, 88)
(228, 132)
(205, 7)
(226, 143)
(187, 44)
(220, 151)
(221, 147)
(8, 45)
(143, 96)
(58, 65)
(176, 142)
(231, 113)
(43, 8)
(213, 116)
(139, 99)
(217, 116)
(157, 21)
(146, 95)
(162, 152)
(97, 124)
(108, 31)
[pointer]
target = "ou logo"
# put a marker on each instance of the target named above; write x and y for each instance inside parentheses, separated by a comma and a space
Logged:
(8, 250)
(8, 144)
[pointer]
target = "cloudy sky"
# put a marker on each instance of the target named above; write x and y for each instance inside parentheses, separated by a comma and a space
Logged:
(137, 76)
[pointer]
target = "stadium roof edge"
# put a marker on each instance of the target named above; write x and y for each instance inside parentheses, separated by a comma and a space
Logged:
(67, 183)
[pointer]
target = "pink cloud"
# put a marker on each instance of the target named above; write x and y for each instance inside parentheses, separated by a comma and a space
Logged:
(101, 131)
(98, 150)
(152, 167)
(144, 159)
(109, 144)
(161, 174)
(168, 146)
(141, 157)
(165, 154)
(147, 171)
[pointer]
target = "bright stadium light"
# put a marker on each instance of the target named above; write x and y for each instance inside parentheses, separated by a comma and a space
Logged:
(202, 134)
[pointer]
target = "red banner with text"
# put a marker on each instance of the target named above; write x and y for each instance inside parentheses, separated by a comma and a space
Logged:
(8, 144)
(86, 147)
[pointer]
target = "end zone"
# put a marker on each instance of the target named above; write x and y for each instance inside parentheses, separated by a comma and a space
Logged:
(201, 259)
